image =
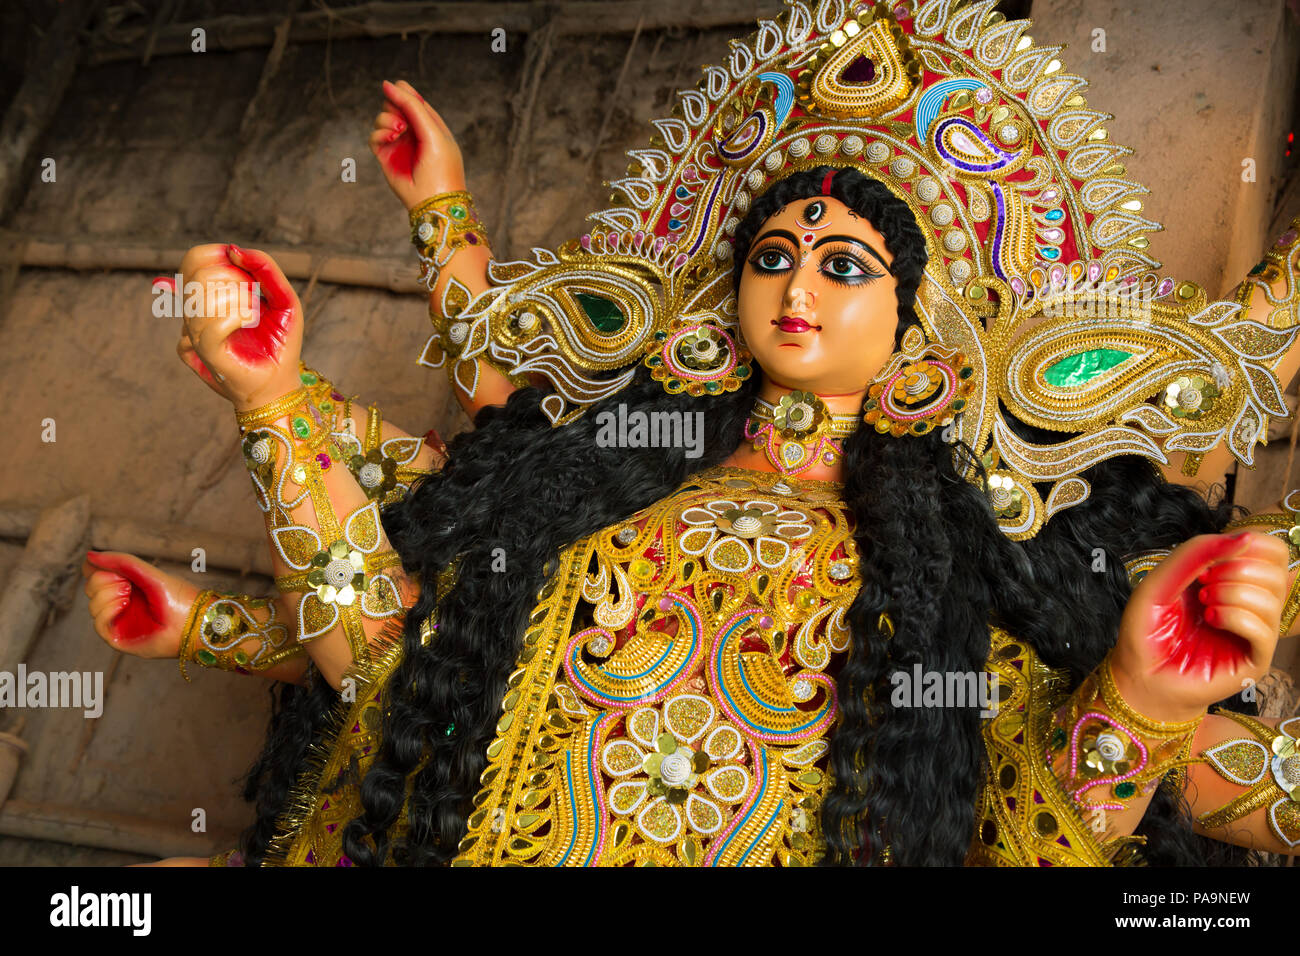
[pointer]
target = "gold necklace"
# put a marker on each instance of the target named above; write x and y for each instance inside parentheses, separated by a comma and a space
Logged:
(798, 432)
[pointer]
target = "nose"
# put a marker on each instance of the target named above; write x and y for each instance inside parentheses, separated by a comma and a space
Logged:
(799, 297)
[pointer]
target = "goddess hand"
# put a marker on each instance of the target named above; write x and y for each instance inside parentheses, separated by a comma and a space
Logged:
(415, 149)
(245, 346)
(136, 608)
(1201, 625)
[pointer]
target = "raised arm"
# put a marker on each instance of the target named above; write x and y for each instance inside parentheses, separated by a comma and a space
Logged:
(1269, 295)
(338, 578)
(141, 610)
(423, 165)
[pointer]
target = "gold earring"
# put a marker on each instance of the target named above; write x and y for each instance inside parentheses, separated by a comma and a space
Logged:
(702, 359)
(922, 387)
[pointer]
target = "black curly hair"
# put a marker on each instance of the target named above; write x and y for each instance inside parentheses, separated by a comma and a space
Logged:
(931, 557)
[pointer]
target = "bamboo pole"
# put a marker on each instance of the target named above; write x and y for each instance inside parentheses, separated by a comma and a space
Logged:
(108, 831)
(157, 541)
(392, 274)
(401, 19)
(33, 107)
(40, 576)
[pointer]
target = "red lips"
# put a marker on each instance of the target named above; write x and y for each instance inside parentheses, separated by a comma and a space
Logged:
(791, 324)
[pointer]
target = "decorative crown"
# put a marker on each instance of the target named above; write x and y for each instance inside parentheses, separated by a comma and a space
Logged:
(1039, 274)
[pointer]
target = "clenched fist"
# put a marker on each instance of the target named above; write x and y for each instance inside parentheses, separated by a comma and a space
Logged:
(1202, 625)
(242, 328)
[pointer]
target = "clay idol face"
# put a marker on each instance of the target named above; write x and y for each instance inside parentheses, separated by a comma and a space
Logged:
(817, 301)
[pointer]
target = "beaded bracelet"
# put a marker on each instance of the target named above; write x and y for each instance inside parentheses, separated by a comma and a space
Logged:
(442, 225)
(219, 623)
(1108, 743)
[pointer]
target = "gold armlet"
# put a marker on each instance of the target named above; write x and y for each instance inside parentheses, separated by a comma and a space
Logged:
(341, 573)
(383, 469)
(442, 225)
(1268, 764)
(220, 627)
(1285, 525)
(1106, 743)
(337, 566)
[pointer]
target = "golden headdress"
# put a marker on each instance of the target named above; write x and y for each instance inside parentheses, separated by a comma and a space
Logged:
(1039, 271)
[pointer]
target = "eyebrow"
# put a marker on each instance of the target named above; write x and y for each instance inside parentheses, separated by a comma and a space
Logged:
(787, 234)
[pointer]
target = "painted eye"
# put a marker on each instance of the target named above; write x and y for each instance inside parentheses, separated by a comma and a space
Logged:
(769, 260)
(844, 267)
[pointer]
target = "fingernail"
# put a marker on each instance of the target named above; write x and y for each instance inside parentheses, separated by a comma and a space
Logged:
(235, 249)
(400, 126)
(1203, 595)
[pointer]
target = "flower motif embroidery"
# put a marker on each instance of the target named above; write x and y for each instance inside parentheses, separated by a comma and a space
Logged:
(375, 472)
(732, 536)
(676, 769)
(702, 349)
(335, 573)
(223, 627)
(1190, 396)
(1007, 500)
(1105, 754)
(338, 573)
(798, 414)
(259, 456)
(1286, 764)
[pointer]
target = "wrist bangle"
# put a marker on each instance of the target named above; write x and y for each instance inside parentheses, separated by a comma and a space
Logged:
(223, 622)
(440, 226)
(1152, 729)
(187, 630)
(272, 411)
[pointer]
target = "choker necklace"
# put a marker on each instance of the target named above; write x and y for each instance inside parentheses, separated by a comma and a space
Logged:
(798, 432)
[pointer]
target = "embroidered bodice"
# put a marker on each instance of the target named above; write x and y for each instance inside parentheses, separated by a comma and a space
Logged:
(672, 698)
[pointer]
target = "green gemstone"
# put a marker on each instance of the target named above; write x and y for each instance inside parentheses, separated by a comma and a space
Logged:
(457, 211)
(742, 371)
(327, 406)
(308, 378)
(655, 361)
(206, 657)
(1125, 790)
(241, 657)
(966, 372)
(661, 336)
(712, 386)
(1058, 738)
(301, 428)
(451, 729)
(603, 313)
(673, 383)
(1081, 368)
